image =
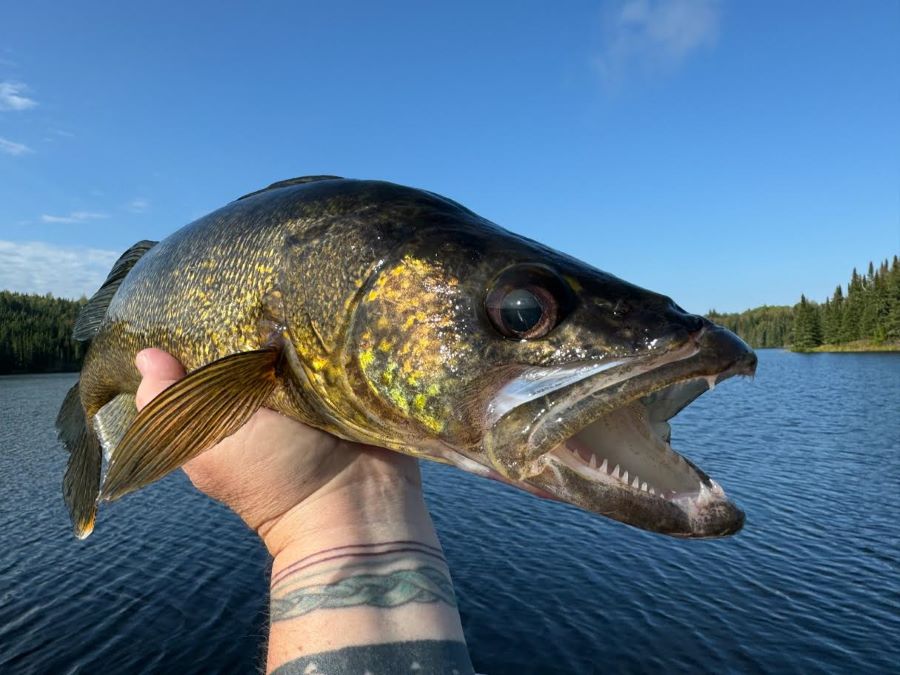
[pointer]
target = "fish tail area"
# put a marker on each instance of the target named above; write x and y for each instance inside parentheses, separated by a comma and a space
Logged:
(81, 484)
(189, 417)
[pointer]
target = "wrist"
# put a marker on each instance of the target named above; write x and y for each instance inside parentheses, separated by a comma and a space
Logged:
(380, 499)
(358, 566)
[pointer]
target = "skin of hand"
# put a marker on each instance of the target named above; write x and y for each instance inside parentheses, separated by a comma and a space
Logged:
(287, 480)
(306, 492)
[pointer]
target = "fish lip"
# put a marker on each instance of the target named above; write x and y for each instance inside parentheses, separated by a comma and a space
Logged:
(711, 355)
(712, 352)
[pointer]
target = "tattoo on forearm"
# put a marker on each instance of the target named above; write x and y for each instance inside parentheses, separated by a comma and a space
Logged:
(384, 575)
(425, 584)
(422, 657)
(358, 551)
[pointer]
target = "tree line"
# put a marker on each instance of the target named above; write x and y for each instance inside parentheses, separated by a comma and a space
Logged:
(868, 312)
(36, 334)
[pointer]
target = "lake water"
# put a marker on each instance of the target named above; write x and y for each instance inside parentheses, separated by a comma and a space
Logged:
(172, 583)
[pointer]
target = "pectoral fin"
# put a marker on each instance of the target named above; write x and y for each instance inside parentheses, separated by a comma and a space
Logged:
(189, 417)
(112, 421)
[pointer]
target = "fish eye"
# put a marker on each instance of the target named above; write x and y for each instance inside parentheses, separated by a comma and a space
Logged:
(527, 302)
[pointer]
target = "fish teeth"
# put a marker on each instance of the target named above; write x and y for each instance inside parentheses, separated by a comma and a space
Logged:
(593, 461)
(637, 483)
(644, 487)
(625, 477)
(603, 467)
(652, 491)
(615, 472)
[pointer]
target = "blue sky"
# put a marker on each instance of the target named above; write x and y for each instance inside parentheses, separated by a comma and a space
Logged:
(728, 154)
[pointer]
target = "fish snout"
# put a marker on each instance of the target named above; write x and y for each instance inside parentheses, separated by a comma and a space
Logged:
(730, 353)
(719, 345)
(657, 323)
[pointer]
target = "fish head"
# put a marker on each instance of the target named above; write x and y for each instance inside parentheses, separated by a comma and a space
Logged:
(470, 345)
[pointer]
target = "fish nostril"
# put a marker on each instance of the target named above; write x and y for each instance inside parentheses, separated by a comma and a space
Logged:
(687, 321)
(621, 309)
(693, 322)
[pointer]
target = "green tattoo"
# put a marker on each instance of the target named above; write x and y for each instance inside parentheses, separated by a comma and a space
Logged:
(424, 584)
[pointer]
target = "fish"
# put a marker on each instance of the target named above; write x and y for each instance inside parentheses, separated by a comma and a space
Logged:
(393, 316)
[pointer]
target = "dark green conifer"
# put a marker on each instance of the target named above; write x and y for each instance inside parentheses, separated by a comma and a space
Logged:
(807, 327)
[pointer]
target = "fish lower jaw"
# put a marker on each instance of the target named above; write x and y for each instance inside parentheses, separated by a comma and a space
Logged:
(628, 450)
(584, 462)
(621, 478)
(702, 495)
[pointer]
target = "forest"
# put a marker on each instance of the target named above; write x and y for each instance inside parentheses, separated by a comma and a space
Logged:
(35, 330)
(36, 334)
(865, 316)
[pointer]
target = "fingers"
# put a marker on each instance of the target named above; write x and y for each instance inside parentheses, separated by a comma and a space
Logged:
(159, 370)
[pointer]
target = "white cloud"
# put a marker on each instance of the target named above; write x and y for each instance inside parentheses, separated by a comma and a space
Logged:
(39, 267)
(138, 205)
(73, 217)
(13, 148)
(654, 36)
(12, 96)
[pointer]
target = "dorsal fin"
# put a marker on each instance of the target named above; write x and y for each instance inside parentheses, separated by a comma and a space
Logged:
(290, 181)
(92, 313)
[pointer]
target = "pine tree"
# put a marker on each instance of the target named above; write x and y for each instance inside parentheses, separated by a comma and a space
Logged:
(807, 327)
(892, 293)
(831, 327)
(850, 321)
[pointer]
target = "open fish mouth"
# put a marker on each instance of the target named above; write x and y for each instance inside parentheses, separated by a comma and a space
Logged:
(602, 440)
(630, 447)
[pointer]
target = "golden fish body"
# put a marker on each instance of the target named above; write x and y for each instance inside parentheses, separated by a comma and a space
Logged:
(393, 316)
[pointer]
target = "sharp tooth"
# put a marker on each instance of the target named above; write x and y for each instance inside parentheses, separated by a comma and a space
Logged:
(636, 484)
(603, 467)
(644, 487)
(615, 472)
(652, 491)
(593, 461)
(625, 477)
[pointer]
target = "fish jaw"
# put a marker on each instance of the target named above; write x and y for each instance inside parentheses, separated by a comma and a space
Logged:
(601, 442)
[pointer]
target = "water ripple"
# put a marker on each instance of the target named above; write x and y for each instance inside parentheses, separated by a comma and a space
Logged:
(172, 582)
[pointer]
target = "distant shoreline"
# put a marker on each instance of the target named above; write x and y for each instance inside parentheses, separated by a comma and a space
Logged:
(39, 372)
(859, 346)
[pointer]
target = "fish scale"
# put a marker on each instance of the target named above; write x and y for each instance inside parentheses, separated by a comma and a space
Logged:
(392, 316)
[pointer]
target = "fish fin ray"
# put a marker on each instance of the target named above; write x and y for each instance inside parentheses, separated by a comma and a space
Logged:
(81, 483)
(93, 313)
(70, 418)
(300, 180)
(189, 417)
(112, 421)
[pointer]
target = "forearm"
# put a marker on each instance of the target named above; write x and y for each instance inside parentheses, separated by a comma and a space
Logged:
(359, 583)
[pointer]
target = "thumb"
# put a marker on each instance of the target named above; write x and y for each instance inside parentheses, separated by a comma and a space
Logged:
(159, 370)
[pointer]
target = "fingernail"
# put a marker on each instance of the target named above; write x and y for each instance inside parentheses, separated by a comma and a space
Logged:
(140, 361)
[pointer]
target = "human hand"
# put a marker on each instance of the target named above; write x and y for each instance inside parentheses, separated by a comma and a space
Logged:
(287, 480)
(352, 512)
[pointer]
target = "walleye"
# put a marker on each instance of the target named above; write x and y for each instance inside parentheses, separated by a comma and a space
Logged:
(396, 317)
